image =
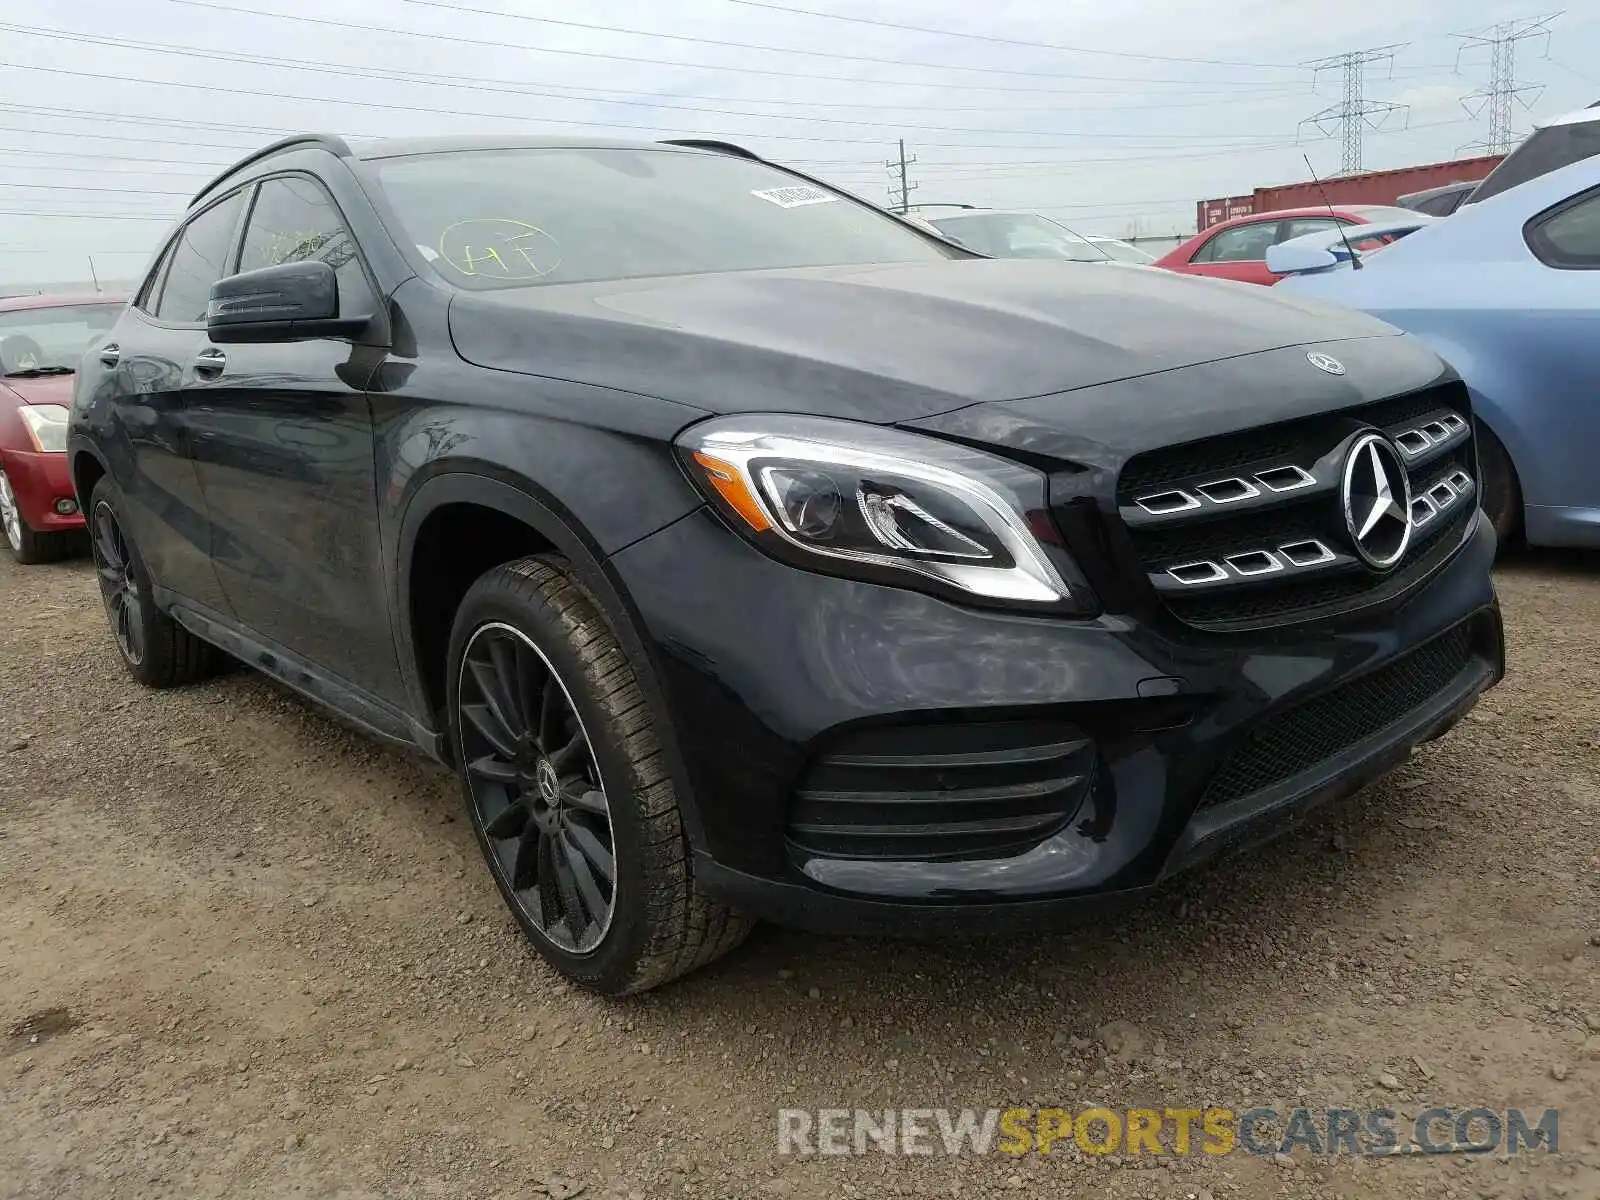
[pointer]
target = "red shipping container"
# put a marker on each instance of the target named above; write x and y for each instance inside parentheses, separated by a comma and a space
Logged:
(1370, 187)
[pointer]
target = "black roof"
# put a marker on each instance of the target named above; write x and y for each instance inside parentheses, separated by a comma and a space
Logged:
(379, 148)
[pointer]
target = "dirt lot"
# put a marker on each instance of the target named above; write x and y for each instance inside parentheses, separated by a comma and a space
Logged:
(248, 953)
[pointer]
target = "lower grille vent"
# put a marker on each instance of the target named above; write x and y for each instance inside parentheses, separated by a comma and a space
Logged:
(941, 792)
(1303, 737)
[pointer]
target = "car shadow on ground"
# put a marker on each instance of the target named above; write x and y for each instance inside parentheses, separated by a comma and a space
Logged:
(1244, 926)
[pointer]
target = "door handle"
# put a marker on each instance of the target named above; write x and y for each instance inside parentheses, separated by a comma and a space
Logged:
(111, 355)
(209, 362)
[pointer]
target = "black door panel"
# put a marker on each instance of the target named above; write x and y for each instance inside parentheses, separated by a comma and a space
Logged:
(282, 443)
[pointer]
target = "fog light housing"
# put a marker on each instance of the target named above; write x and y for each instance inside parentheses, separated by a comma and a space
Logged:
(66, 506)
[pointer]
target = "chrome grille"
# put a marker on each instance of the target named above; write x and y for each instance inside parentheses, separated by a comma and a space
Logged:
(1248, 529)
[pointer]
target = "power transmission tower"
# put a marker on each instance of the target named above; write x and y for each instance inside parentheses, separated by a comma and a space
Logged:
(900, 184)
(1496, 99)
(1354, 114)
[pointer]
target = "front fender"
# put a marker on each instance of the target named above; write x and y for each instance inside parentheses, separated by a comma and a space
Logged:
(1487, 381)
(492, 485)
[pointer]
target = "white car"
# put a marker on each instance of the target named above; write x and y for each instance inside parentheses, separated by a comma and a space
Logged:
(1121, 251)
(1009, 233)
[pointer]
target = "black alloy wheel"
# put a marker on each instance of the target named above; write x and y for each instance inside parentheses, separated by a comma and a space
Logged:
(536, 789)
(155, 649)
(119, 584)
(568, 785)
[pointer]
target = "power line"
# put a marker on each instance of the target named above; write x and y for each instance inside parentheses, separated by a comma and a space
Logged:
(828, 54)
(1496, 98)
(1002, 41)
(501, 44)
(119, 137)
(213, 167)
(434, 110)
(75, 187)
(587, 95)
(344, 70)
(1354, 114)
(49, 215)
(86, 114)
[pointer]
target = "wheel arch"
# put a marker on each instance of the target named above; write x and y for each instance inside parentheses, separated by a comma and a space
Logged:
(87, 469)
(467, 518)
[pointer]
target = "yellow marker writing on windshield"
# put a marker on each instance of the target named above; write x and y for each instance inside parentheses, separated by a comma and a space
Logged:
(499, 248)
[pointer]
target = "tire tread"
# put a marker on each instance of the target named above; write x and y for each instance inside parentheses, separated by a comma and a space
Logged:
(687, 930)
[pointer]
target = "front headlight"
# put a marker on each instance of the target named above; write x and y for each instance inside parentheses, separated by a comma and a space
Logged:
(875, 503)
(47, 426)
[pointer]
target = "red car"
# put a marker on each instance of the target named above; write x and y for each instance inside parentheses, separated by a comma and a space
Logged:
(41, 340)
(1237, 249)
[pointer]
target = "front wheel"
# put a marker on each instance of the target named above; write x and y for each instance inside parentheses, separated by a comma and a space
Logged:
(566, 786)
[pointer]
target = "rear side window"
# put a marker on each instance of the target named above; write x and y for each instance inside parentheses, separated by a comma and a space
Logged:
(1569, 236)
(1441, 205)
(1242, 243)
(150, 290)
(1300, 226)
(295, 221)
(199, 259)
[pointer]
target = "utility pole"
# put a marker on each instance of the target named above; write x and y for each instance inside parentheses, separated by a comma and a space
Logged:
(901, 185)
(1503, 88)
(93, 274)
(1354, 114)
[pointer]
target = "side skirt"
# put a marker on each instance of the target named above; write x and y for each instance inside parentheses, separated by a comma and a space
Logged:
(375, 717)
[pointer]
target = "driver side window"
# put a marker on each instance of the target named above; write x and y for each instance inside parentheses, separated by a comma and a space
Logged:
(294, 220)
(1242, 243)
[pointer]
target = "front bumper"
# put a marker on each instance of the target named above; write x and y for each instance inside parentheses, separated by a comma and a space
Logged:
(764, 667)
(39, 482)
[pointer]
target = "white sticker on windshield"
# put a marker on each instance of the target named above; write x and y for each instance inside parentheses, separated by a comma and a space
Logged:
(796, 195)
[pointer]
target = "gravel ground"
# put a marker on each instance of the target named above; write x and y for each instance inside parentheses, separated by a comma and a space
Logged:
(248, 953)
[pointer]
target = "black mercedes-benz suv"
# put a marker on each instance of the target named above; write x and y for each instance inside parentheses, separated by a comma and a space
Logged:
(752, 553)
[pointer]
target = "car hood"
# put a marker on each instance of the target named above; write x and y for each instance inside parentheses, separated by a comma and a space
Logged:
(1097, 430)
(46, 389)
(884, 343)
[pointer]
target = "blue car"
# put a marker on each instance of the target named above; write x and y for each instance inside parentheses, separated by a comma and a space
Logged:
(1508, 291)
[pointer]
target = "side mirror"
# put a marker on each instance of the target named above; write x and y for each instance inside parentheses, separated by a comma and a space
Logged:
(286, 303)
(1286, 258)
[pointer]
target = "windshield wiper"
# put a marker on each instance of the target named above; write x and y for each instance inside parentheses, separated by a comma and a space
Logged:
(36, 372)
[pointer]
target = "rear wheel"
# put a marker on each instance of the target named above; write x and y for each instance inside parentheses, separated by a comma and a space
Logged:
(566, 786)
(28, 546)
(155, 649)
(1502, 494)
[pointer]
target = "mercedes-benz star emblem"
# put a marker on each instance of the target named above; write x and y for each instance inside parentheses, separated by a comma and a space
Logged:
(1325, 362)
(549, 785)
(1377, 501)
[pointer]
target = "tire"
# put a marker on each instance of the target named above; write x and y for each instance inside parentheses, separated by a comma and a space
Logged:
(526, 638)
(28, 546)
(1502, 494)
(155, 649)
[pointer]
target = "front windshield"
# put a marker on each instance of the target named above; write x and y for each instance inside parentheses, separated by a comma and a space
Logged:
(521, 218)
(50, 341)
(1017, 235)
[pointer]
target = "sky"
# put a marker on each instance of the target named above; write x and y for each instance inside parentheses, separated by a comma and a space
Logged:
(1114, 118)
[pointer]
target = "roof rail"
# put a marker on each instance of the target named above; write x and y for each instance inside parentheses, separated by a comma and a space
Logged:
(328, 141)
(941, 204)
(714, 146)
